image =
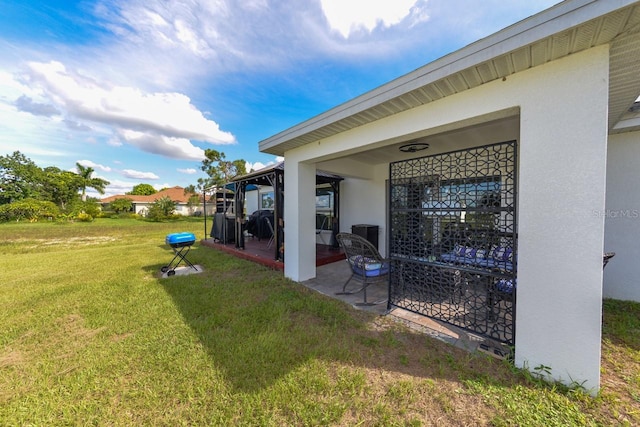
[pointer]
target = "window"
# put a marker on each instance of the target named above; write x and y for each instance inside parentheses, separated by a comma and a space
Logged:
(266, 200)
(475, 193)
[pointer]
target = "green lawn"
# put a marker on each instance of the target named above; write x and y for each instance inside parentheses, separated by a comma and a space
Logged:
(92, 336)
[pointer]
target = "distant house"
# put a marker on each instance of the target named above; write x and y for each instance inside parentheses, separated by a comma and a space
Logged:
(141, 204)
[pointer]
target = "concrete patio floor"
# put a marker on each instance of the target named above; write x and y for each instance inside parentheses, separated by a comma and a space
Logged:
(331, 277)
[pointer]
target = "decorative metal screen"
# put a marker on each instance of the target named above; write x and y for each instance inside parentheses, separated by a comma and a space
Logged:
(453, 238)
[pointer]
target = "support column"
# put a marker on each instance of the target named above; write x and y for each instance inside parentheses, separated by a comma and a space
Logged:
(299, 214)
(562, 170)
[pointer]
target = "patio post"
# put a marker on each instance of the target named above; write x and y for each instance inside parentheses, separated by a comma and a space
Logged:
(299, 211)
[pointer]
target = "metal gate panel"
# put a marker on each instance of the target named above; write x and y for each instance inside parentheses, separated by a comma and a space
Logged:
(453, 238)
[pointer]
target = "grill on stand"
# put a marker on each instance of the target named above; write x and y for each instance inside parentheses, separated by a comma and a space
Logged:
(181, 245)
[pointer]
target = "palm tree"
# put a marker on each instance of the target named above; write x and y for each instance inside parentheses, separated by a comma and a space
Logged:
(86, 181)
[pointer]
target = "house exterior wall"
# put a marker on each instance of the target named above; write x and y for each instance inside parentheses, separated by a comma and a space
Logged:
(142, 209)
(622, 217)
(562, 163)
(185, 210)
(363, 202)
(252, 201)
(562, 182)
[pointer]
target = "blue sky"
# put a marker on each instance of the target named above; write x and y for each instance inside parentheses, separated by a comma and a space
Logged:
(138, 89)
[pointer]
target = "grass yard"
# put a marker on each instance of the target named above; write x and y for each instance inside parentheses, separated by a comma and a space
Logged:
(92, 336)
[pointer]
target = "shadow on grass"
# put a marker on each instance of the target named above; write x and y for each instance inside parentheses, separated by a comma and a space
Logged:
(258, 327)
(621, 323)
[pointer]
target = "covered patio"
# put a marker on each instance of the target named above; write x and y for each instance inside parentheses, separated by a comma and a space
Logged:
(330, 278)
(556, 84)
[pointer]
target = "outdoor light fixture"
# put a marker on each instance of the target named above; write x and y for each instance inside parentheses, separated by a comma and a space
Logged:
(413, 147)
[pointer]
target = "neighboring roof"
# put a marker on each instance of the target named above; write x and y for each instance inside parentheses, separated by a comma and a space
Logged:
(569, 27)
(176, 194)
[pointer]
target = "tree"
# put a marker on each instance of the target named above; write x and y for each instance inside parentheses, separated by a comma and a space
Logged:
(219, 170)
(142, 190)
(123, 204)
(20, 178)
(161, 208)
(87, 181)
(60, 187)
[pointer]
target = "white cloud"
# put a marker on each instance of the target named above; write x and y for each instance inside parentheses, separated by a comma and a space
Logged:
(347, 16)
(95, 166)
(259, 165)
(170, 114)
(184, 42)
(73, 125)
(174, 148)
(115, 187)
(114, 141)
(189, 171)
(161, 186)
(254, 166)
(160, 123)
(130, 173)
(26, 104)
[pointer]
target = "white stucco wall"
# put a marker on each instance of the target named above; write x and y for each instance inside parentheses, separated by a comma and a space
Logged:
(251, 201)
(622, 217)
(363, 202)
(562, 166)
(562, 182)
(299, 220)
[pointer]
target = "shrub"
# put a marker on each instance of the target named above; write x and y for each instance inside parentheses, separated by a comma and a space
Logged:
(88, 207)
(161, 209)
(124, 204)
(106, 214)
(29, 209)
(84, 217)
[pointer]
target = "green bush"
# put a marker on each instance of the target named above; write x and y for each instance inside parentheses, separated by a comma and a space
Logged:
(84, 217)
(106, 214)
(162, 209)
(124, 204)
(89, 207)
(28, 209)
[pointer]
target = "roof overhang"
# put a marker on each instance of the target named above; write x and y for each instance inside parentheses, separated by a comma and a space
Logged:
(567, 28)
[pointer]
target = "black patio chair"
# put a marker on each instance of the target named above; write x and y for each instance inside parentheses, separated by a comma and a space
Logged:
(606, 258)
(366, 263)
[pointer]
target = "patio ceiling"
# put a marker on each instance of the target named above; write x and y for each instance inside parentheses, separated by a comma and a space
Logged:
(497, 130)
(569, 27)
